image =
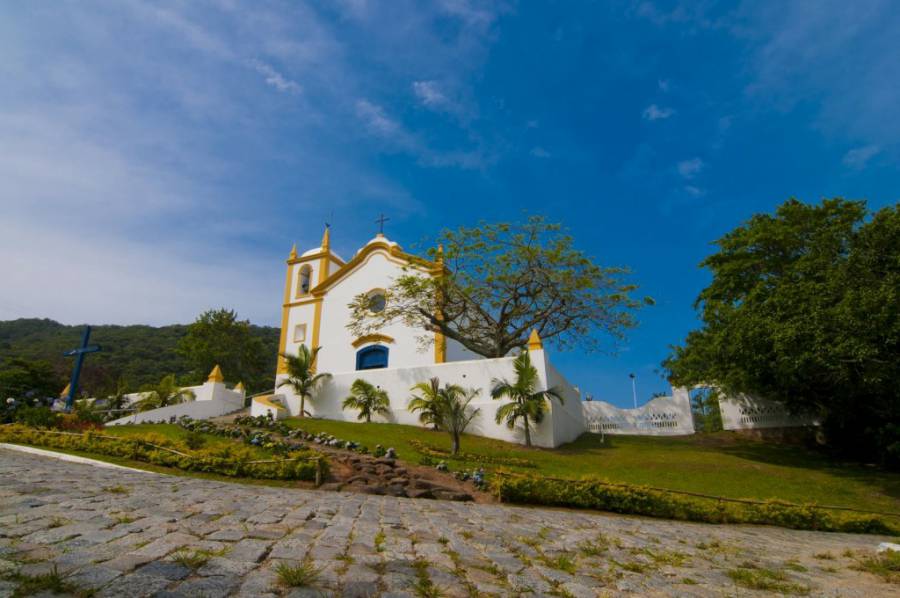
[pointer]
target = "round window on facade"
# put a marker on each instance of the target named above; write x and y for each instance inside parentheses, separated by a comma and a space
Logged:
(377, 301)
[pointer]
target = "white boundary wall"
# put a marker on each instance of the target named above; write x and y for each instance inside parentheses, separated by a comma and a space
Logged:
(562, 423)
(212, 399)
(749, 413)
(662, 416)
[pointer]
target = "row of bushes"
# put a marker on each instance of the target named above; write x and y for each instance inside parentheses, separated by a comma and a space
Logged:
(641, 500)
(233, 461)
(438, 453)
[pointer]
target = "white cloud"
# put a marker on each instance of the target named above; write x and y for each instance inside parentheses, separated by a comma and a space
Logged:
(859, 157)
(539, 152)
(694, 191)
(274, 78)
(429, 93)
(654, 112)
(377, 121)
(663, 85)
(690, 168)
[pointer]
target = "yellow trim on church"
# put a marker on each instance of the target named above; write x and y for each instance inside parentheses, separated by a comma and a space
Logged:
(372, 338)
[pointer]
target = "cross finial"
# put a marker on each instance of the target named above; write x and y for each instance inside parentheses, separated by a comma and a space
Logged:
(381, 220)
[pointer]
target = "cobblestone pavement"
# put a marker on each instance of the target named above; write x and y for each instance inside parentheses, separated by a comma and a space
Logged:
(134, 534)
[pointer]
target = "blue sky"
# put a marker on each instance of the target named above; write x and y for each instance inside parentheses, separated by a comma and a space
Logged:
(160, 158)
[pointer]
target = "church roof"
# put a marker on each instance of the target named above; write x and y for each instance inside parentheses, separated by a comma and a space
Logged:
(382, 243)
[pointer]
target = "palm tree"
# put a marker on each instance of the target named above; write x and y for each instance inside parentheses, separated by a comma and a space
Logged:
(527, 404)
(166, 393)
(427, 402)
(455, 414)
(368, 399)
(302, 379)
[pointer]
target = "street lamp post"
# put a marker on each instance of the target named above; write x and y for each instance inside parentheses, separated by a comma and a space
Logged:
(633, 390)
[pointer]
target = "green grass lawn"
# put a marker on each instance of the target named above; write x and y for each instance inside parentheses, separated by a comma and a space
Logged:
(721, 464)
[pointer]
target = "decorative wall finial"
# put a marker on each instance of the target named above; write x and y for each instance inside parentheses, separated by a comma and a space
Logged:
(534, 341)
(293, 254)
(326, 237)
(216, 375)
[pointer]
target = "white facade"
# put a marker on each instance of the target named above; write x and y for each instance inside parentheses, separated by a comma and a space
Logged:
(662, 416)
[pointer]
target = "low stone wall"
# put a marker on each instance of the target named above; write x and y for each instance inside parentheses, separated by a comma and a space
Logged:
(193, 409)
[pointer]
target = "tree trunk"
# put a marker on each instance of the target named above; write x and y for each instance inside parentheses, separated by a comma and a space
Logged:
(302, 403)
(368, 418)
(527, 432)
(455, 444)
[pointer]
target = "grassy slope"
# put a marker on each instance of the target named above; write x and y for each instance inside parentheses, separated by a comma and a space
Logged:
(720, 464)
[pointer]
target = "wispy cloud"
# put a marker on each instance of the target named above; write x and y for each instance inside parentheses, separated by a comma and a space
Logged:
(859, 157)
(274, 78)
(539, 152)
(654, 112)
(689, 169)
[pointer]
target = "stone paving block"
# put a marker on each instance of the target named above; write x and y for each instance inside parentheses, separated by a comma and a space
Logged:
(93, 576)
(169, 543)
(248, 550)
(166, 569)
(225, 566)
(218, 585)
(227, 535)
(133, 585)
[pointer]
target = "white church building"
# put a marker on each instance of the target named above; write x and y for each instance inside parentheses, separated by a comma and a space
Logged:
(319, 288)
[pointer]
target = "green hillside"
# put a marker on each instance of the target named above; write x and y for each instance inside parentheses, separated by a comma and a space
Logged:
(140, 354)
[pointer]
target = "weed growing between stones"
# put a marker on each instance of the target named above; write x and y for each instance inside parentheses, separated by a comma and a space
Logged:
(824, 556)
(795, 566)
(53, 582)
(562, 562)
(57, 522)
(379, 541)
(688, 581)
(424, 587)
(886, 565)
(123, 519)
(119, 489)
(194, 559)
(770, 580)
(303, 574)
(673, 558)
(467, 534)
(595, 547)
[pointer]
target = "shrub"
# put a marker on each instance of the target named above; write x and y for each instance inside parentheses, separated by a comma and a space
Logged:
(233, 461)
(36, 417)
(194, 440)
(641, 500)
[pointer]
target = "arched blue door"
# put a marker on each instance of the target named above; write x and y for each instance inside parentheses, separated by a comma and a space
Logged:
(370, 358)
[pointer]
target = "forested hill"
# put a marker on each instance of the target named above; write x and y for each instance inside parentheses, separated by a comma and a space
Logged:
(141, 355)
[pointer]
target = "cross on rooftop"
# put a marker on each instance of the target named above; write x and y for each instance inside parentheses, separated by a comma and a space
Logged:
(381, 220)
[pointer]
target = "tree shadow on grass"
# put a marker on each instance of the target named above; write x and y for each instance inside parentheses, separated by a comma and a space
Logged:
(885, 482)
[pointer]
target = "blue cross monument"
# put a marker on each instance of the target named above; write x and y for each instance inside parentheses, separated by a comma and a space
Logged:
(79, 354)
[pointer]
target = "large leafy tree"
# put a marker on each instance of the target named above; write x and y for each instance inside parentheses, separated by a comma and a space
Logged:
(218, 337)
(490, 285)
(804, 308)
(21, 378)
(301, 375)
(527, 404)
(367, 399)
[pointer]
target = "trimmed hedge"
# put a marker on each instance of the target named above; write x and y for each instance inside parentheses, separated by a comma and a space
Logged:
(641, 500)
(233, 461)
